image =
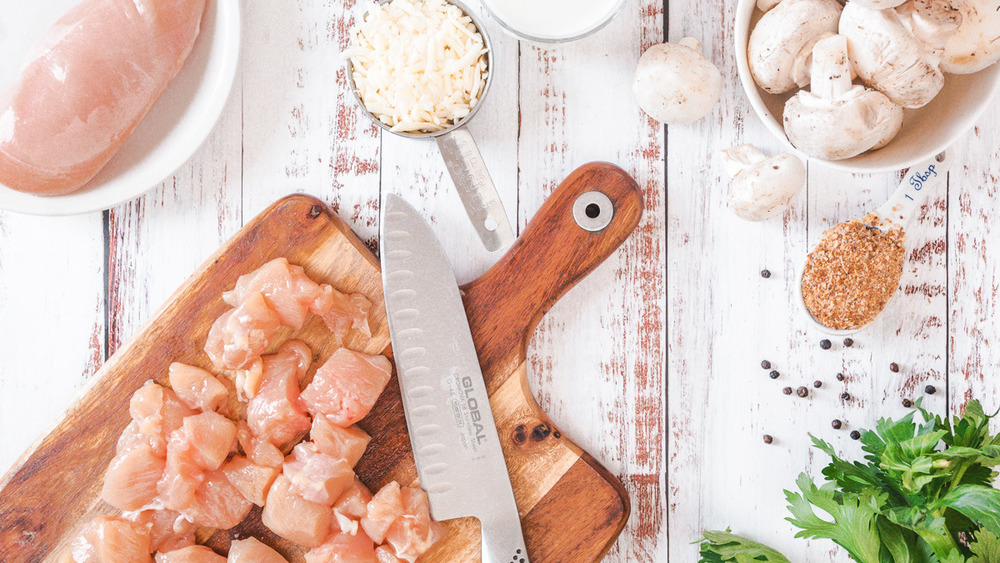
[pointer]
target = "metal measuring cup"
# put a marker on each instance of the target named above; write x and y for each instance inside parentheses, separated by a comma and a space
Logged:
(462, 158)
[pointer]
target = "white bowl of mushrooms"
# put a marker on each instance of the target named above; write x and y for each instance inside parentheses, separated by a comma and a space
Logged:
(873, 85)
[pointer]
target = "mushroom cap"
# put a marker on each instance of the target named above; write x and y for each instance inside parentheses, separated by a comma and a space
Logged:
(976, 44)
(860, 121)
(761, 190)
(780, 44)
(675, 83)
(888, 57)
(932, 22)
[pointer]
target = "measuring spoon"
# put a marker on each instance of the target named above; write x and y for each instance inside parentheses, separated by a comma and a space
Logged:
(902, 207)
(462, 158)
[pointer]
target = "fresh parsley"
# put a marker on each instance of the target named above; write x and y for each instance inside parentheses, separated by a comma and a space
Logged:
(726, 547)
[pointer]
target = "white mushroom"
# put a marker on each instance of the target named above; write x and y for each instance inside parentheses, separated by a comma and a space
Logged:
(976, 44)
(761, 187)
(781, 43)
(838, 119)
(932, 22)
(879, 4)
(675, 83)
(891, 59)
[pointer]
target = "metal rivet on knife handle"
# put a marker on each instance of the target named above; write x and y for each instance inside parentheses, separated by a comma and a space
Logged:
(593, 211)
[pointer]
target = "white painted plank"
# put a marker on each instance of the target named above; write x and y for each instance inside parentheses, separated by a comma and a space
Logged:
(596, 362)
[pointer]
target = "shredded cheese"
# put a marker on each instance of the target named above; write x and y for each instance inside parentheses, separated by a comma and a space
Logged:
(418, 65)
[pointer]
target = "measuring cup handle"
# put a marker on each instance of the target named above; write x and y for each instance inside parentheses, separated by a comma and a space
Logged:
(913, 190)
(475, 188)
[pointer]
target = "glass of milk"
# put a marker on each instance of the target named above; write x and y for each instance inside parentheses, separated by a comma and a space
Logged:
(553, 21)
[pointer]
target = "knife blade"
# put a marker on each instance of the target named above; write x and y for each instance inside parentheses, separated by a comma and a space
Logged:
(451, 426)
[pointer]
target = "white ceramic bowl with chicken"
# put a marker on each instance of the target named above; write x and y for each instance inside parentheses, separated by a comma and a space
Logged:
(925, 132)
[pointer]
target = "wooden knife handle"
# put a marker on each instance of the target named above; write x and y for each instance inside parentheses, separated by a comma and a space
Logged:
(552, 254)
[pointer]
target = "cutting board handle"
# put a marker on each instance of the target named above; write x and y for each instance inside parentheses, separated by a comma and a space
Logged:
(582, 223)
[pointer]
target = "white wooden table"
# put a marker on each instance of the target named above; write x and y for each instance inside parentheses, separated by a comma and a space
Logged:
(652, 363)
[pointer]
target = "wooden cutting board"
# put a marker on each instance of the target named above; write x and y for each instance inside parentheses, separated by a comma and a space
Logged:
(572, 509)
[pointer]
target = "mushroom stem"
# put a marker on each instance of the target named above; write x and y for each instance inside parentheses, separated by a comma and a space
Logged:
(738, 159)
(831, 68)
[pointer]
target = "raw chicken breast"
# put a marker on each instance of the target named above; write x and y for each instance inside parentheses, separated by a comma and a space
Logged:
(316, 476)
(109, 539)
(351, 507)
(197, 388)
(293, 517)
(211, 436)
(190, 554)
(258, 450)
(251, 480)
(217, 503)
(100, 69)
(276, 413)
(242, 334)
(286, 288)
(130, 482)
(385, 554)
(347, 443)
(344, 548)
(382, 511)
(347, 313)
(413, 532)
(158, 412)
(346, 386)
(182, 475)
(167, 530)
(251, 550)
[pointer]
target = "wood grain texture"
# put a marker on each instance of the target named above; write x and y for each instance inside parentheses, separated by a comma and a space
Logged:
(565, 523)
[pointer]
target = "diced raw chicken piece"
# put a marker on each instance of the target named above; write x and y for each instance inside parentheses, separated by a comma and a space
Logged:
(167, 529)
(382, 511)
(196, 387)
(248, 379)
(182, 475)
(347, 313)
(258, 450)
(413, 532)
(286, 288)
(98, 71)
(130, 482)
(344, 548)
(158, 412)
(293, 517)
(276, 412)
(212, 436)
(316, 476)
(251, 480)
(242, 334)
(351, 507)
(190, 554)
(217, 503)
(108, 539)
(385, 554)
(347, 443)
(251, 550)
(346, 387)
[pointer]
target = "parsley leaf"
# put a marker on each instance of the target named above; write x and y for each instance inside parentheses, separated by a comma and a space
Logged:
(725, 547)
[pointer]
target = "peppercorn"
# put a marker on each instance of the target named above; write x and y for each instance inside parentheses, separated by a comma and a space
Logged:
(930, 390)
(768, 439)
(787, 390)
(774, 374)
(848, 342)
(894, 367)
(825, 344)
(765, 364)
(907, 403)
(817, 384)
(855, 435)
(840, 377)
(802, 392)
(765, 274)
(836, 424)
(845, 396)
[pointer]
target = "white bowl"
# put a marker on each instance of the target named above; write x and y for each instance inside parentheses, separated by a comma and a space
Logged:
(926, 131)
(172, 131)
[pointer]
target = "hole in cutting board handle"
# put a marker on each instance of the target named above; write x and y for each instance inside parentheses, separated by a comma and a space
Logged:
(593, 211)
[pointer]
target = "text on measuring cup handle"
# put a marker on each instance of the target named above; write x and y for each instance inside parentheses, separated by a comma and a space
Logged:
(917, 179)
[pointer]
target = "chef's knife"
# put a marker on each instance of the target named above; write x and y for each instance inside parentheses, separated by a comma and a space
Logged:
(451, 426)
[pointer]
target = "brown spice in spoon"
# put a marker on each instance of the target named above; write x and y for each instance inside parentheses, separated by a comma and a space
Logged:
(853, 272)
